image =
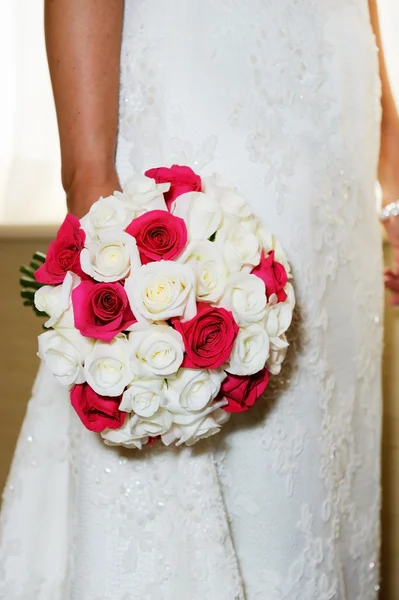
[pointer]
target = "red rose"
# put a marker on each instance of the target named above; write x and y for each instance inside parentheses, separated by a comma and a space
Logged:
(152, 440)
(242, 392)
(273, 275)
(96, 412)
(101, 310)
(181, 179)
(63, 254)
(159, 235)
(208, 337)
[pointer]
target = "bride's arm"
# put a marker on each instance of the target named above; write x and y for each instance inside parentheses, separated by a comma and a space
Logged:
(83, 40)
(388, 170)
(389, 154)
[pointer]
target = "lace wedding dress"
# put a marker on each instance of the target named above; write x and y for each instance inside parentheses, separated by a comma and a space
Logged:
(281, 97)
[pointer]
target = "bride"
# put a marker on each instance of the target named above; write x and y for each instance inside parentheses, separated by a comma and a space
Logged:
(283, 99)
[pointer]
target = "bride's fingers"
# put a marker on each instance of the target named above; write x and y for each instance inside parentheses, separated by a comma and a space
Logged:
(396, 260)
(389, 274)
(394, 300)
(392, 284)
(391, 277)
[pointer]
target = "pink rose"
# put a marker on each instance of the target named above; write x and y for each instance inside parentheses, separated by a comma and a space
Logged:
(181, 179)
(208, 337)
(242, 392)
(101, 310)
(159, 235)
(273, 275)
(96, 412)
(63, 254)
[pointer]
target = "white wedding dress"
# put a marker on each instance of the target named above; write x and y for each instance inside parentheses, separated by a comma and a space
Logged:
(281, 97)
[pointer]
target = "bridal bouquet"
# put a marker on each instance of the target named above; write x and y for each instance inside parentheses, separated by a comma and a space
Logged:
(168, 305)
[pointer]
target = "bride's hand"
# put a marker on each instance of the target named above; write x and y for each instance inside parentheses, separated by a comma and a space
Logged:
(391, 275)
(389, 181)
(85, 190)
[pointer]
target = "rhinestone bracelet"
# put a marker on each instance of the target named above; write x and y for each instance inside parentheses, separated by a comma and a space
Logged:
(390, 210)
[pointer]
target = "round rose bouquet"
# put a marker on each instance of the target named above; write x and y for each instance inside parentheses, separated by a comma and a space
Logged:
(168, 305)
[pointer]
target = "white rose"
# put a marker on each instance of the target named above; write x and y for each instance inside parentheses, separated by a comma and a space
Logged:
(193, 389)
(106, 214)
(201, 213)
(233, 205)
(142, 194)
(129, 435)
(250, 224)
(194, 427)
(107, 367)
(157, 424)
(245, 297)
(143, 397)
(160, 290)
(112, 258)
(137, 431)
(56, 301)
(289, 290)
(250, 351)
(64, 353)
(206, 259)
(279, 314)
(269, 242)
(240, 247)
(278, 351)
(209, 426)
(155, 349)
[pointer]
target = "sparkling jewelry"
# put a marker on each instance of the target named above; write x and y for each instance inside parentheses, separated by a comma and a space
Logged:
(390, 210)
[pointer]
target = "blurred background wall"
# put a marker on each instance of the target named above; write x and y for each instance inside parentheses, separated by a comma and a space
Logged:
(32, 203)
(30, 190)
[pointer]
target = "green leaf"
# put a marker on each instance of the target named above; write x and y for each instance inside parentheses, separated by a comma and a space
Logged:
(30, 283)
(212, 237)
(27, 271)
(37, 312)
(27, 294)
(40, 257)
